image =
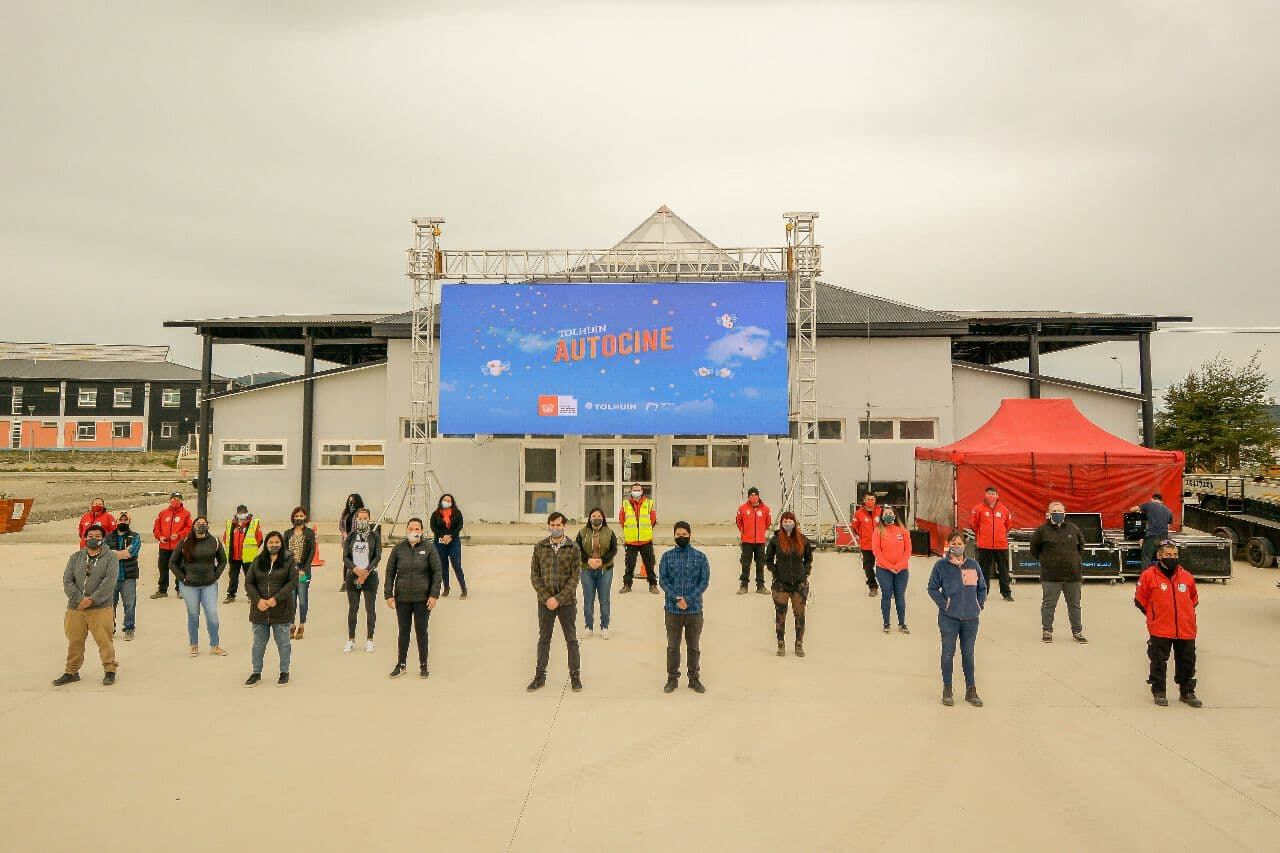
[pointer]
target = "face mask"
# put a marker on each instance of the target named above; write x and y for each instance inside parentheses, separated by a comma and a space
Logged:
(1057, 517)
(351, 504)
(1169, 563)
(446, 504)
(555, 533)
(956, 550)
(174, 503)
(682, 541)
(596, 522)
(788, 526)
(98, 508)
(362, 526)
(415, 537)
(889, 518)
(637, 495)
(201, 529)
(754, 500)
(241, 516)
(298, 521)
(123, 527)
(273, 549)
(93, 543)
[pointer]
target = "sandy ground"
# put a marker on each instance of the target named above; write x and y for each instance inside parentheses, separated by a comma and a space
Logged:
(68, 495)
(845, 749)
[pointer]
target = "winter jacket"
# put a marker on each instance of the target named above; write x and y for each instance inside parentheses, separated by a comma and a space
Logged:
(105, 519)
(602, 543)
(892, 546)
(374, 538)
(440, 528)
(555, 573)
(991, 524)
(131, 542)
(684, 573)
(413, 572)
(790, 570)
(98, 583)
(1060, 550)
(266, 579)
(864, 524)
(243, 542)
(205, 566)
(637, 519)
(308, 552)
(1169, 602)
(171, 527)
(753, 523)
(959, 591)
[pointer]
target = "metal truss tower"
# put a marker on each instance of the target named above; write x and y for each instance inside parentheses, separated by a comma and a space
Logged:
(804, 258)
(424, 270)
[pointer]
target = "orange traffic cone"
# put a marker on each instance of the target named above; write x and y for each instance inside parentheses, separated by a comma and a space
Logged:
(315, 559)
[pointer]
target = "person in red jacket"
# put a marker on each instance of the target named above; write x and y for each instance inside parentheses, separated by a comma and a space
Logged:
(891, 546)
(753, 520)
(1167, 595)
(98, 515)
(171, 527)
(991, 522)
(864, 524)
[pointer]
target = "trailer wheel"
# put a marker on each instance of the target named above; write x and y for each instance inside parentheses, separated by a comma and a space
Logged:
(1260, 553)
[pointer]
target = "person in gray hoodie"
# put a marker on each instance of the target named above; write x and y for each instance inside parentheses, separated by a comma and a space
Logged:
(89, 581)
(959, 587)
(198, 563)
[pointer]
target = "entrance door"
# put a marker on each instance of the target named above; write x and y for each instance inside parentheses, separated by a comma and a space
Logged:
(539, 482)
(607, 472)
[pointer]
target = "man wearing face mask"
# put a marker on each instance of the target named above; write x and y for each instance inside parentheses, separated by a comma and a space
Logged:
(242, 540)
(171, 527)
(637, 518)
(753, 520)
(685, 575)
(1167, 596)
(991, 522)
(90, 584)
(98, 515)
(125, 544)
(1059, 547)
(554, 572)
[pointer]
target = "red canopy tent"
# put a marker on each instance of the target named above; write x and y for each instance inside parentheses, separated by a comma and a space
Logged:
(1034, 452)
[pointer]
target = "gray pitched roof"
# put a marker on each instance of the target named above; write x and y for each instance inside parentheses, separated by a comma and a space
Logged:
(81, 369)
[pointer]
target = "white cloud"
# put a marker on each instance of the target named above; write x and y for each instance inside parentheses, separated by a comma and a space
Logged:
(749, 342)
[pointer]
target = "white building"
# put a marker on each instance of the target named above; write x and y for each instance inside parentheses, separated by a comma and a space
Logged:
(945, 383)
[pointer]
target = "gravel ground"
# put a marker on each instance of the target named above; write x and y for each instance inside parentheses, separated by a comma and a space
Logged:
(59, 496)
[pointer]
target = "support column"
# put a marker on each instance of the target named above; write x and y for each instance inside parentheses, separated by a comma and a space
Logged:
(206, 406)
(308, 415)
(1148, 406)
(1033, 362)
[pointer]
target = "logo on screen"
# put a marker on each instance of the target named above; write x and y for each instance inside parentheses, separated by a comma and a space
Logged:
(557, 405)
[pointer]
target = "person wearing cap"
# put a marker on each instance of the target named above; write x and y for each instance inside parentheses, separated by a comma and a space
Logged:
(172, 526)
(98, 515)
(685, 574)
(1158, 517)
(754, 520)
(991, 522)
(242, 540)
(865, 519)
(89, 581)
(1166, 594)
(125, 544)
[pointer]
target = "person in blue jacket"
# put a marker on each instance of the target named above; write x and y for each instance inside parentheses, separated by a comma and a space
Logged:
(959, 588)
(126, 544)
(684, 574)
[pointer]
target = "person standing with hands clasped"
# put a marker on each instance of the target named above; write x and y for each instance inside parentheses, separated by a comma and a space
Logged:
(90, 584)
(599, 546)
(685, 575)
(865, 520)
(361, 554)
(300, 542)
(991, 522)
(270, 582)
(172, 525)
(1059, 546)
(242, 539)
(959, 589)
(753, 520)
(412, 589)
(891, 545)
(446, 527)
(554, 572)
(637, 517)
(197, 564)
(1167, 596)
(789, 558)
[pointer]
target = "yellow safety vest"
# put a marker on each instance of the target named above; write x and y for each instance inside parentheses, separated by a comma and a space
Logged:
(637, 529)
(249, 549)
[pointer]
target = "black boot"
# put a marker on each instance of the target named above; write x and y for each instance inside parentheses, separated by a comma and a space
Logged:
(1190, 699)
(423, 671)
(66, 678)
(108, 679)
(742, 589)
(397, 671)
(575, 682)
(283, 679)
(671, 685)
(971, 696)
(252, 680)
(539, 682)
(696, 685)
(947, 698)
(1160, 699)
(760, 588)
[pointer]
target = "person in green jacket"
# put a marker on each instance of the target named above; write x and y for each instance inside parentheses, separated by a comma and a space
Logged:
(599, 546)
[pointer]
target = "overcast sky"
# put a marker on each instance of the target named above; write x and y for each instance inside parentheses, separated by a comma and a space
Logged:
(173, 159)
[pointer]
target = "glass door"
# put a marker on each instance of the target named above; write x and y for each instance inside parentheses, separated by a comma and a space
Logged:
(539, 481)
(600, 480)
(637, 467)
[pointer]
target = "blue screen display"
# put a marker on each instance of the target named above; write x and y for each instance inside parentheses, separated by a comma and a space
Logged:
(651, 359)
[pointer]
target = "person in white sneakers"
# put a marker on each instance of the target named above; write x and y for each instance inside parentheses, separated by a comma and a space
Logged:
(361, 553)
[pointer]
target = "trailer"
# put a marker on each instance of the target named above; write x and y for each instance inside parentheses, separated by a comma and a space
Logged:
(1244, 511)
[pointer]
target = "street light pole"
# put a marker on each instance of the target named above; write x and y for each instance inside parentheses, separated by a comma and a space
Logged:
(31, 445)
(1119, 363)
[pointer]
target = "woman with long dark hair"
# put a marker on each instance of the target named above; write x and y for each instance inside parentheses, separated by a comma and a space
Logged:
(300, 542)
(347, 524)
(197, 564)
(789, 558)
(891, 546)
(446, 525)
(270, 582)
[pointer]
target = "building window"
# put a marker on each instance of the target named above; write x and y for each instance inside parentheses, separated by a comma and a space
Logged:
(86, 431)
(875, 430)
(123, 398)
(352, 454)
(917, 430)
(52, 389)
(120, 429)
(86, 397)
(828, 430)
(730, 456)
(254, 454)
(170, 398)
(48, 425)
(168, 430)
(689, 456)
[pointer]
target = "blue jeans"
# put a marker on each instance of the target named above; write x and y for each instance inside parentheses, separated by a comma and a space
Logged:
(893, 585)
(451, 553)
(127, 589)
(198, 597)
(280, 633)
(304, 592)
(967, 631)
(596, 583)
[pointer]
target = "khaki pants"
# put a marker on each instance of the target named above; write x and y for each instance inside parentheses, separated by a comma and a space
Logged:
(78, 625)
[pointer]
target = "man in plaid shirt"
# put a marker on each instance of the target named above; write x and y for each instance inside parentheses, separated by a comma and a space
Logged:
(554, 572)
(684, 574)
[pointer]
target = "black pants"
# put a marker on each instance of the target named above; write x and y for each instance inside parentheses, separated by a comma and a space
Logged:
(1184, 663)
(689, 624)
(645, 552)
(567, 615)
(417, 613)
(995, 563)
(869, 569)
(751, 551)
(370, 593)
(234, 568)
(162, 560)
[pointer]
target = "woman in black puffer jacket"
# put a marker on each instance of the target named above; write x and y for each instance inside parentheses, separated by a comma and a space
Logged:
(411, 588)
(789, 558)
(271, 584)
(197, 564)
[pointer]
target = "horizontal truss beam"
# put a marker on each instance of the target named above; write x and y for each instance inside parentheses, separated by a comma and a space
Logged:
(692, 264)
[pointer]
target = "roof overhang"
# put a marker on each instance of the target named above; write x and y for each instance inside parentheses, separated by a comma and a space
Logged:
(993, 337)
(346, 339)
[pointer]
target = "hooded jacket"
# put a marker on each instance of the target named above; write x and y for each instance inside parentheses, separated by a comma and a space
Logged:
(959, 591)
(1169, 602)
(99, 582)
(790, 570)
(413, 572)
(267, 579)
